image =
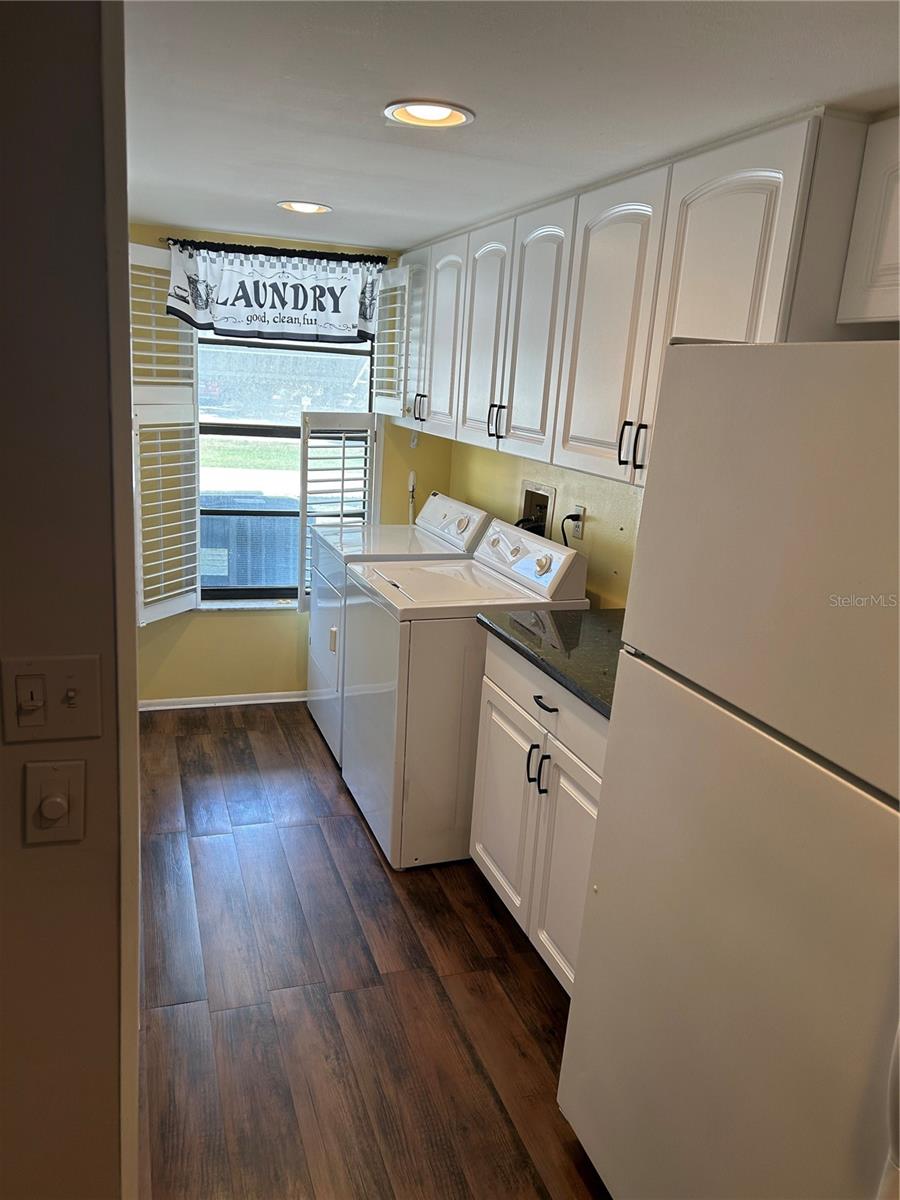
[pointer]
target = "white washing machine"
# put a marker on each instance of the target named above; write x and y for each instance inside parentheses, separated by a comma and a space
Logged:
(444, 529)
(413, 666)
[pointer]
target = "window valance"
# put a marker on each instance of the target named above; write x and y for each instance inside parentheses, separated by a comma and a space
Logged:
(254, 291)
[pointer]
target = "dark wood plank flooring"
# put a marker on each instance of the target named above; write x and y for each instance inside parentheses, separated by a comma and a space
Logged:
(316, 1024)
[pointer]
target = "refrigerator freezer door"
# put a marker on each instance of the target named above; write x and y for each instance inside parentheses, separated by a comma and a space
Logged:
(766, 564)
(735, 1003)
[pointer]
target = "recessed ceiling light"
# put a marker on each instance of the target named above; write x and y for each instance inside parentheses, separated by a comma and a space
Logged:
(304, 206)
(429, 114)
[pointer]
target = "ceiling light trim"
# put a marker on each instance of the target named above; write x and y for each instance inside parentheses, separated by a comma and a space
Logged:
(306, 208)
(397, 112)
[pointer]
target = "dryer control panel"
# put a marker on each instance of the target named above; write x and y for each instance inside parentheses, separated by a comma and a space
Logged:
(458, 523)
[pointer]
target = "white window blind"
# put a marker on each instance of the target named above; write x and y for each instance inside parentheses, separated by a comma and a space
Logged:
(162, 347)
(166, 499)
(166, 444)
(337, 463)
(391, 343)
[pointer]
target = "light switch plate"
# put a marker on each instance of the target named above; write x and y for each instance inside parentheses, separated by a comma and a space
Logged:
(44, 779)
(71, 698)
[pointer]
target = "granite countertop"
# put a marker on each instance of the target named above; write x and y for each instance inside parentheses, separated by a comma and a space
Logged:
(580, 650)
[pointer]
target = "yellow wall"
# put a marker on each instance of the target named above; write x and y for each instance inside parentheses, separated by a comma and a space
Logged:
(239, 652)
(493, 481)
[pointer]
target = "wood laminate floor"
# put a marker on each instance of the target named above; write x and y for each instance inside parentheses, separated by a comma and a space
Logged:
(316, 1024)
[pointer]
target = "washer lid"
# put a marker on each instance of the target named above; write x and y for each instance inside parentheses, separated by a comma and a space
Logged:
(453, 588)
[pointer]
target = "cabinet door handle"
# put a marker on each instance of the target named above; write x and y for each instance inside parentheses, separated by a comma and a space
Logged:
(542, 791)
(423, 417)
(332, 639)
(497, 434)
(491, 408)
(638, 466)
(531, 749)
(415, 407)
(539, 701)
(623, 462)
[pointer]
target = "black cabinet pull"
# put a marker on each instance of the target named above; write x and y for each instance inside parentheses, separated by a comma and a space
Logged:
(638, 466)
(416, 406)
(497, 434)
(539, 701)
(424, 417)
(491, 408)
(531, 749)
(623, 462)
(542, 791)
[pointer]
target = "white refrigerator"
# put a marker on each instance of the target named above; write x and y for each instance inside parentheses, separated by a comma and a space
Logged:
(735, 1005)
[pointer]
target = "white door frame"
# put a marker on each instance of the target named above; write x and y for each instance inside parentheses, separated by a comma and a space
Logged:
(113, 66)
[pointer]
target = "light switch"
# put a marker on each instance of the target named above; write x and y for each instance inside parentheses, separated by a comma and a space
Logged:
(31, 707)
(54, 801)
(51, 699)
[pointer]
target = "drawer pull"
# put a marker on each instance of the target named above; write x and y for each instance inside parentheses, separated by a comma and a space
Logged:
(531, 749)
(542, 791)
(539, 701)
(332, 639)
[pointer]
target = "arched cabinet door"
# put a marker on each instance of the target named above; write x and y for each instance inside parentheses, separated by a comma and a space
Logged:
(484, 332)
(732, 225)
(871, 290)
(525, 421)
(618, 235)
(417, 262)
(447, 279)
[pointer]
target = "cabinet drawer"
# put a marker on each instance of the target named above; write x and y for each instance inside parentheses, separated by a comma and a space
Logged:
(577, 725)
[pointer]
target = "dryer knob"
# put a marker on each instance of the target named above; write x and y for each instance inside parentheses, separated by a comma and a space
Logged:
(495, 541)
(462, 524)
(515, 552)
(543, 563)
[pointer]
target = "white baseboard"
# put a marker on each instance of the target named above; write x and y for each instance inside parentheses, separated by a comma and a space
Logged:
(223, 701)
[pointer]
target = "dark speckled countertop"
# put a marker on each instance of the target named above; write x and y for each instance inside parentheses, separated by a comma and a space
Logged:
(580, 650)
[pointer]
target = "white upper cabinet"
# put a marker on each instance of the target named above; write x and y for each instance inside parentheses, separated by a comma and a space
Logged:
(446, 293)
(725, 273)
(618, 235)
(416, 263)
(871, 290)
(484, 331)
(525, 419)
(731, 223)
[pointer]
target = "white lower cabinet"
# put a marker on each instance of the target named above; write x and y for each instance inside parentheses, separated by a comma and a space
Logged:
(510, 744)
(535, 807)
(566, 821)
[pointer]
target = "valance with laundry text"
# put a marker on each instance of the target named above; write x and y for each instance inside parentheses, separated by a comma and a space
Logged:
(251, 291)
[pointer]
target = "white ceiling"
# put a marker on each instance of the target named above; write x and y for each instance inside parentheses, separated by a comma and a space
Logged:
(232, 106)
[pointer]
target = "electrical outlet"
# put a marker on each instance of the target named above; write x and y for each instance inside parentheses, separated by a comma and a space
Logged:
(576, 528)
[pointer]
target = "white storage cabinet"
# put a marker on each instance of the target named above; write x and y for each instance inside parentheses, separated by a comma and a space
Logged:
(537, 796)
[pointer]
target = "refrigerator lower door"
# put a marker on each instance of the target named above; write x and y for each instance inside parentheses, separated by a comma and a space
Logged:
(735, 1003)
(766, 563)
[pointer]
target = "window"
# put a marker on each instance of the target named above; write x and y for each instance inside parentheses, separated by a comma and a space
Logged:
(252, 402)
